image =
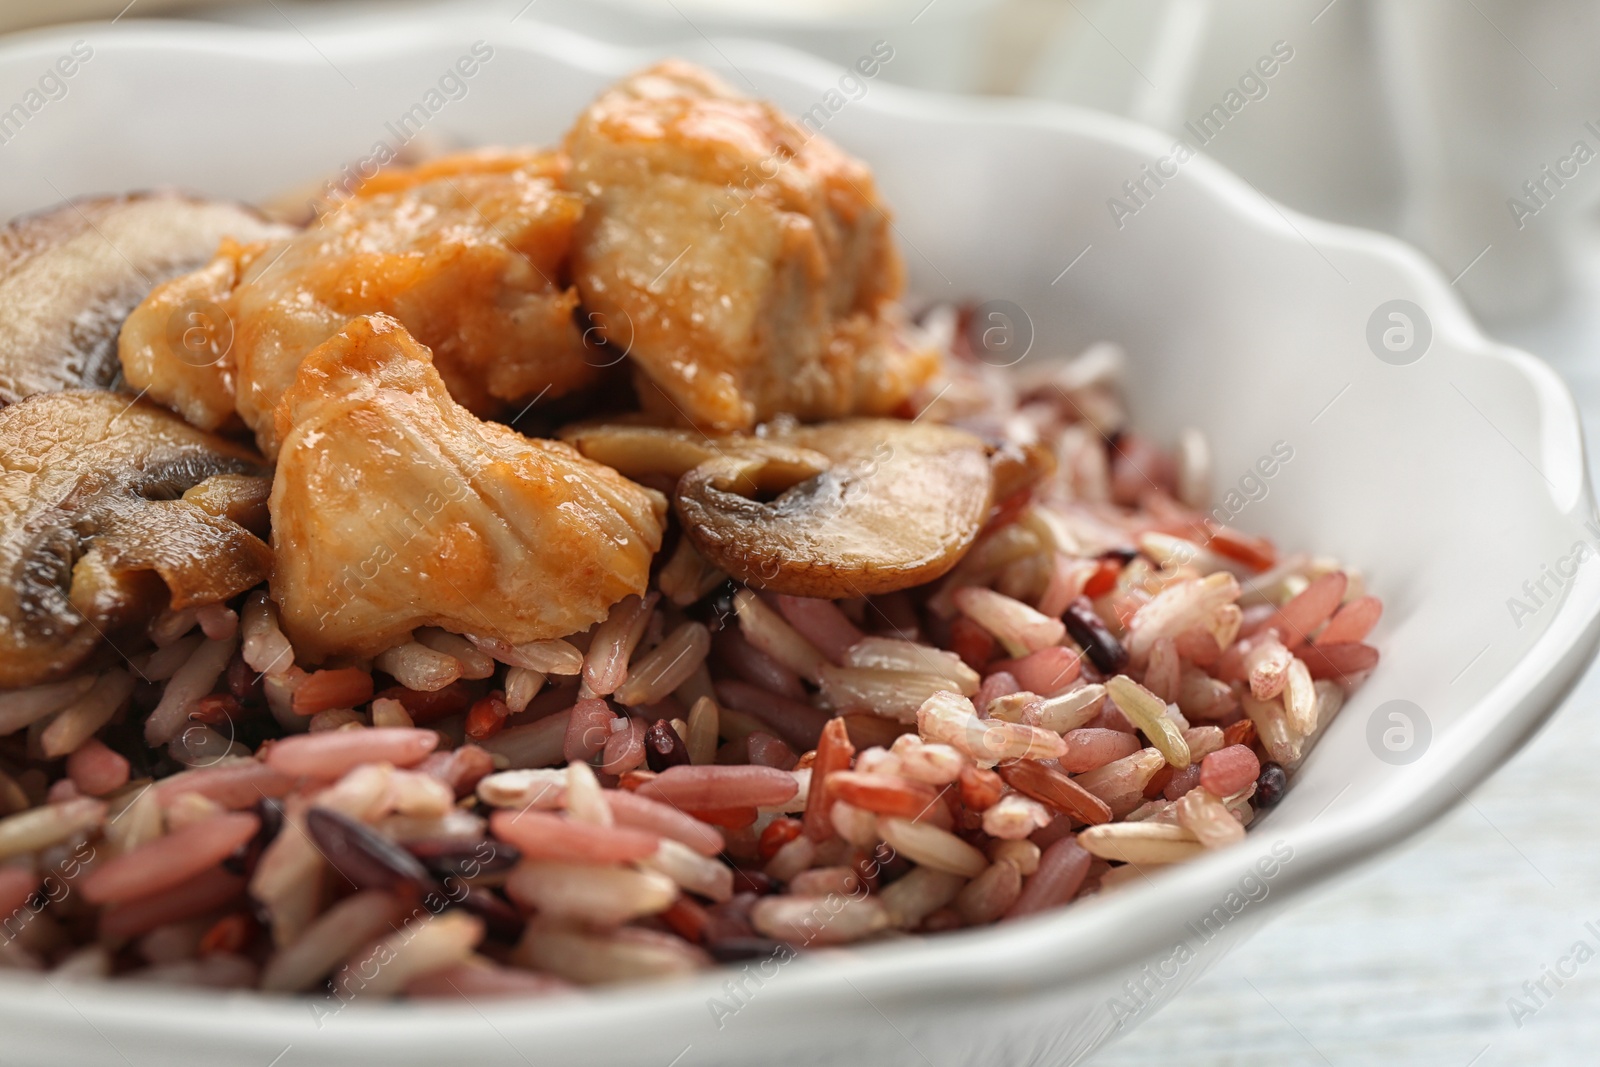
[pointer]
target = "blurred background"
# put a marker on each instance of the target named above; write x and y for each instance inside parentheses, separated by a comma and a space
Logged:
(1470, 128)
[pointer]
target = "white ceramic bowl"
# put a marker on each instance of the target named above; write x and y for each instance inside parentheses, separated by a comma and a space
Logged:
(1450, 480)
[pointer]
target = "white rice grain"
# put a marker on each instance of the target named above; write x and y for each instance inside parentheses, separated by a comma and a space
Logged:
(264, 647)
(475, 664)
(21, 708)
(418, 667)
(84, 717)
(193, 680)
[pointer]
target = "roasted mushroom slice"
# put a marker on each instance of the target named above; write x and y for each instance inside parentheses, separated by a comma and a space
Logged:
(640, 449)
(93, 536)
(69, 277)
(899, 505)
(240, 498)
(393, 507)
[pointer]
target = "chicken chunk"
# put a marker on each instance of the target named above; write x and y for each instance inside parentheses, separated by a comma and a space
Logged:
(471, 261)
(745, 264)
(177, 345)
(393, 507)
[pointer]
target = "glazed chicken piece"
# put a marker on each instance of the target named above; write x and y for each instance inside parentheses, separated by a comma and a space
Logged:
(745, 264)
(393, 507)
(471, 261)
(177, 345)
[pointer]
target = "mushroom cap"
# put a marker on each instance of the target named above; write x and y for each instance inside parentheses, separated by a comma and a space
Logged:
(70, 276)
(94, 536)
(862, 506)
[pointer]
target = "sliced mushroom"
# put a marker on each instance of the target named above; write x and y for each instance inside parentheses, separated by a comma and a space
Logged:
(240, 498)
(641, 450)
(94, 538)
(651, 454)
(68, 278)
(899, 505)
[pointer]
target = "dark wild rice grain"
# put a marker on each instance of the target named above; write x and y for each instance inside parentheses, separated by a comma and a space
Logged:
(1099, 643)
(663, 747)
(1270, 786)
(365, 858)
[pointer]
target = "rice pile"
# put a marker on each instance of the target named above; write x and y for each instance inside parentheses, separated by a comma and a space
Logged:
(1110, 681)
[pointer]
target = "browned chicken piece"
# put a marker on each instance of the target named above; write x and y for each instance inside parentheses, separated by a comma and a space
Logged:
(745, 264)
(93, 538)
(393, 507)
(473, 263)
(178, 344)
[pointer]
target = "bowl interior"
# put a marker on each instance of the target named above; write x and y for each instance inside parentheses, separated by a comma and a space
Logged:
(1449, 481)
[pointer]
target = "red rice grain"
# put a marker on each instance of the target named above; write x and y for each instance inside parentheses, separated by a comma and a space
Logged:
(17, 884)
(1060, 875)
(342, 688)
(980, 788)
(199, 895)
(1046, 672)
(797, 723)
(541, 835)
(169, 861)
(990, 895)
(1049, 786)
(834, 753)
(756, 667)
(821, 623)
(588, 730)
(995, 685)
(96, 770)
(1313, 606)
(1343, 663)
(624, 748)
(663, 820)
(884, 794)
(329, 755)
(1352, 622)
(711, 787)
(768, 751)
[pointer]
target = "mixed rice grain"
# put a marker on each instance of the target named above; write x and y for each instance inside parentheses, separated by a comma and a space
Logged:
(1108, 682)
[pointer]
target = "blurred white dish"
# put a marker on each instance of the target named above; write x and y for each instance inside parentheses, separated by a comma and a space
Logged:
(1450, 470)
